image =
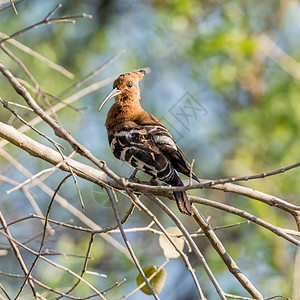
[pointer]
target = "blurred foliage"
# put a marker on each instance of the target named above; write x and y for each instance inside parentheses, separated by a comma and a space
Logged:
(212, 50)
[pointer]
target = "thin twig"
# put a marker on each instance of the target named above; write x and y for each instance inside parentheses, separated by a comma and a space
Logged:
(230, 263)
(38, 56)
(277, 230)
(9, 5)
(117, 217)
(114, 285)
(210, 183)
(46, 21)
(92, 73)
(77, 188)
(191, 242)
(4, 292)
(182, 254)
(54, 264)
(84, 265)
(19, 105)
(4, 103)
(191, 173)
(20, 63)
(16, 251)
(144, 283)
(238, 297)
(13, 5)
(58, 6)
(64, 203)
(43, 235)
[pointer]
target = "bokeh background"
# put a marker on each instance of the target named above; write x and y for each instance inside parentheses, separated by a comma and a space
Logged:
(225, 81)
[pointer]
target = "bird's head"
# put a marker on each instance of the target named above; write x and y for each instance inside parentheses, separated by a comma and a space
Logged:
(126, 88)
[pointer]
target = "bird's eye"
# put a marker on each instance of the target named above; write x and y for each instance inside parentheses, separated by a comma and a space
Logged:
(129, 84)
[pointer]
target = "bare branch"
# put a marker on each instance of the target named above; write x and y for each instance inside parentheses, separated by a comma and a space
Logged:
(38, 56)
(270, 49)
(144, 283)
(65, 204)
(277, 230)
(89, 89)
(46, 21)
(134, 258)
(43, 235)
(16, 252)
(211, 183)
(4, 292)
(9, 5)
(13, 5)
(84, 266)
(182, 254)
(230, 263)
(191, 242)
(53, 264)
(92, 73)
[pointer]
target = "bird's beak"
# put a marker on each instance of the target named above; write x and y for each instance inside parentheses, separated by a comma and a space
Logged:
(112, 94)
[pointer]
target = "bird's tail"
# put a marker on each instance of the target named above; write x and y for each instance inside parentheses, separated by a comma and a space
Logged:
(183, 203)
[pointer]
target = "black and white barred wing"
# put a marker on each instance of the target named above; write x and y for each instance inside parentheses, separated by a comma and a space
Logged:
(167, 146)
(137, 146)
(138, 149)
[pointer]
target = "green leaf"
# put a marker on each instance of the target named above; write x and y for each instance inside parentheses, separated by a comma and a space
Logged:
(157, 282)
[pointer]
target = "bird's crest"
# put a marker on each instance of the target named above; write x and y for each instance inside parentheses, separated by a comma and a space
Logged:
(127, 77)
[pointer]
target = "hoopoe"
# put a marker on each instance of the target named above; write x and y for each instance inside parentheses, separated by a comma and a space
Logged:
(137, 137)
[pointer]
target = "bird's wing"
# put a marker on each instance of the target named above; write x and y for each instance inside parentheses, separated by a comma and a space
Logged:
(163, 140)
(137, 147)
(168, 147)
(134, 146)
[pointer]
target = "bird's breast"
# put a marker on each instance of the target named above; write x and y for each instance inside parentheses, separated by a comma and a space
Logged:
(122, 115)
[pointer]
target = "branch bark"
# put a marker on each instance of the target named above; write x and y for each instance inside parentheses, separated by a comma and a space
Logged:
(89, 173)
(53, 157)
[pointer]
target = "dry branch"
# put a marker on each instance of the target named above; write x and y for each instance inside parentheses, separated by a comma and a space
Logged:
(38, 56)
(108, 179)
(112, 199)
(84, 171)
(65, 204)
(41, 151)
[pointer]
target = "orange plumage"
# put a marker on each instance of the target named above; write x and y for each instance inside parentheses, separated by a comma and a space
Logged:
(140, 139)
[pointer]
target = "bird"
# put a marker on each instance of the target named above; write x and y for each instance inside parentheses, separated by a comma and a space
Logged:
(140, 139)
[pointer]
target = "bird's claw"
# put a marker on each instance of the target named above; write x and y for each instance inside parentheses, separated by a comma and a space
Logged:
(133, 178)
